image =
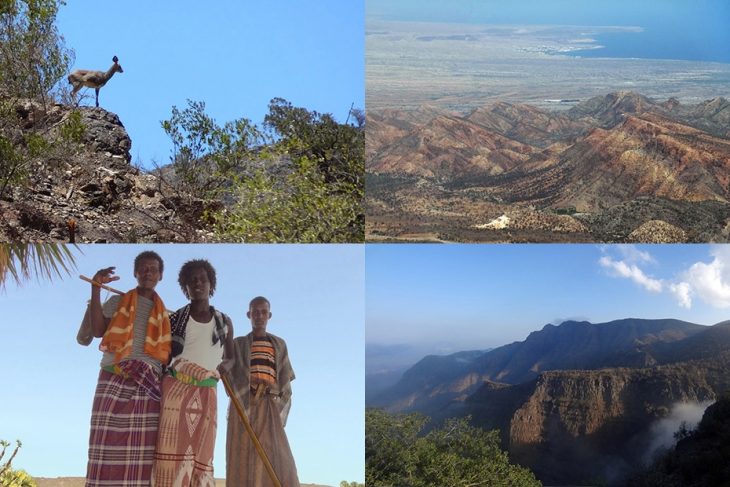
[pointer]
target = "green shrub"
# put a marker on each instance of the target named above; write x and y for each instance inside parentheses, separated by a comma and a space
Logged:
(455, 455)
(73, 129)
(33, 57)
(16, 478)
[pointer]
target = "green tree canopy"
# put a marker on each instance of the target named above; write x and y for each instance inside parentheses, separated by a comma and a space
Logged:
(454, 455)
(299, 179)
(33, 57)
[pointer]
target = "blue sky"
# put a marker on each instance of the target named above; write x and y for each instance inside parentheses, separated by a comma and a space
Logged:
(233, 55)
(466, 297)
(316, 292)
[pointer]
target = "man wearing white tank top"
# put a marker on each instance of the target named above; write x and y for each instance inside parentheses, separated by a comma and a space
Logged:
(201, 336)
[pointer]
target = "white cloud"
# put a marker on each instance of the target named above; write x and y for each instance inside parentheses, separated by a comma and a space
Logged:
(633, 272)
(632, 254)
(683, 292)
(708, 282)
(711, 282)
(687, 414)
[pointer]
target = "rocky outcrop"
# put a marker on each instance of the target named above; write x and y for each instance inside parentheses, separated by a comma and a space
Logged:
(657, 231)
(104, 133)
(84, 176)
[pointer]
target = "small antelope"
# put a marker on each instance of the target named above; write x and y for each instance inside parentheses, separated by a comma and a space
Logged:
(93, 79)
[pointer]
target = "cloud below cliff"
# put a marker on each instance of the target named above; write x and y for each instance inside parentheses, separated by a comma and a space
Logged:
(662, 431)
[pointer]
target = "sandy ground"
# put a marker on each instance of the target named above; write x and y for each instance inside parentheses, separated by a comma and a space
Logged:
(79, 482)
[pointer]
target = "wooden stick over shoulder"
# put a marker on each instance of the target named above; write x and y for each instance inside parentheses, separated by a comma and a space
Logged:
(108, 288)
(98, 284)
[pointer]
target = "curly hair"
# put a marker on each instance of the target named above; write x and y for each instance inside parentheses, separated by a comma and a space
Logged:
(187, 270)
(148, 254)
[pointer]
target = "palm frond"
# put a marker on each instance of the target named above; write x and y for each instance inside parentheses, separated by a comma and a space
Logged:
(22, 261)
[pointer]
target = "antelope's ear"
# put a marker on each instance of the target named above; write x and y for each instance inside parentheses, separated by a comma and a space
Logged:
(115, 59)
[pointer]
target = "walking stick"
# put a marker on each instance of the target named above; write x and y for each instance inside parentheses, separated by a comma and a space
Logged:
(234, 400)
(250, 431)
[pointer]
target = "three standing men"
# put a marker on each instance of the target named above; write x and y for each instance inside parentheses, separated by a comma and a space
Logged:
(138, 339)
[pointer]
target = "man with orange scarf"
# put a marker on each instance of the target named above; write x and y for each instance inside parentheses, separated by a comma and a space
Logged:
(136, 341)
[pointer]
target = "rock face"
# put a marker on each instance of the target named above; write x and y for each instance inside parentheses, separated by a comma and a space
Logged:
(105, 133)
(89, 180)
(580, 425)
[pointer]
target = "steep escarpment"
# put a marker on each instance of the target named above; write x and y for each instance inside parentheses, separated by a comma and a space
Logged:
(583, 425)
(581, 403)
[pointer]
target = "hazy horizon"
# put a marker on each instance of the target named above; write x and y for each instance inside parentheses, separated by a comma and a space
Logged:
(696, 30)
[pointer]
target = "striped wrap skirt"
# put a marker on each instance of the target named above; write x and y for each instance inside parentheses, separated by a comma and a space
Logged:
(244, 466)
(124, 420)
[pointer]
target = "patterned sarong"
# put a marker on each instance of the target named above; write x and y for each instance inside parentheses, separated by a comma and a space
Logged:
(124, 421)
(188, 421)
(243, 464)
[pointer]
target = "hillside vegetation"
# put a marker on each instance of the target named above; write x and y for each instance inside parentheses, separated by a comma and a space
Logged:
(66, 172)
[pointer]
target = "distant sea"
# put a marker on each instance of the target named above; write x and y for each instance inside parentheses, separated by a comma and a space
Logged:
(658, 44)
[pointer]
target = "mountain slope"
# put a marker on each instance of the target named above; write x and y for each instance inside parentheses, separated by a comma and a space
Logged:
(433, 383)
(591, 162)
(449, 146)
(526, 124)
(576, 403)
